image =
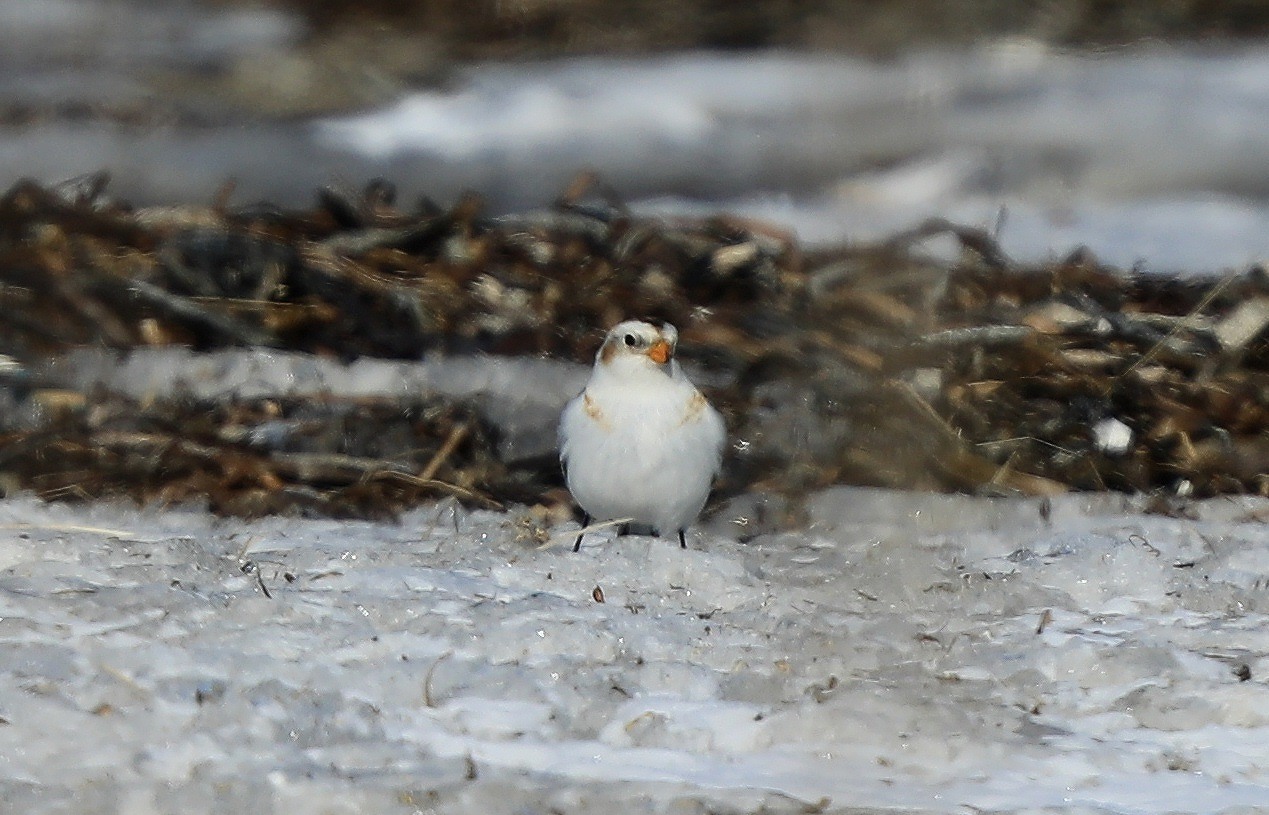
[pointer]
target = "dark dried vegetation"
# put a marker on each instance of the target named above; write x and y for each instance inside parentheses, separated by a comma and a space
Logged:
(866, 364)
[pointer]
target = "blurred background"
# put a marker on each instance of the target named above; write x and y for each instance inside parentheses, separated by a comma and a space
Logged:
(1132, 128)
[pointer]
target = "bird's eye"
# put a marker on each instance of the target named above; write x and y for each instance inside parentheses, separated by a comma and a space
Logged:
(632, 340)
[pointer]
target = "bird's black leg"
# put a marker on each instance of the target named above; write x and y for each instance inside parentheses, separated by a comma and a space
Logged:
(585, 523)
(682, 540)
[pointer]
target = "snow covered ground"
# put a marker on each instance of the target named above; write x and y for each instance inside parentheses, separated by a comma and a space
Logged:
(916, 653)
(1145, 156)
(1157, 155)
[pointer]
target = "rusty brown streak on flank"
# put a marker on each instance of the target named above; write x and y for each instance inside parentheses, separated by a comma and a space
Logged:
(592, 410)
(694, 407)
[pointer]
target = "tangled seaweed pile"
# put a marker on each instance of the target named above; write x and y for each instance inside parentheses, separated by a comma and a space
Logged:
(872, 364)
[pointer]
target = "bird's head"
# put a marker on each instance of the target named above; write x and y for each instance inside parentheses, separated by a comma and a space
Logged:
(635, 346)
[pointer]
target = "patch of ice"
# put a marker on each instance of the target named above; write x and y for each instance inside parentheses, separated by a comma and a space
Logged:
(1112, 436)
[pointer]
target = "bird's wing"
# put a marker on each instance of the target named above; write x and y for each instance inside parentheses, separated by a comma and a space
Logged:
(718, 431)
(567, 430)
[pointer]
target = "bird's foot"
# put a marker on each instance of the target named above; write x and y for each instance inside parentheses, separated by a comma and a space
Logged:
(577, 545)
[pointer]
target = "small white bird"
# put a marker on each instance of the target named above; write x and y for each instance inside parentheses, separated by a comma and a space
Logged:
(640, 441)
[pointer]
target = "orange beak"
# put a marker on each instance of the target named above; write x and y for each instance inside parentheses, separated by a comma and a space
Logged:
(659, 352)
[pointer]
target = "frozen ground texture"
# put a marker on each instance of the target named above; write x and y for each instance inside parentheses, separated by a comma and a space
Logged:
(910, 652)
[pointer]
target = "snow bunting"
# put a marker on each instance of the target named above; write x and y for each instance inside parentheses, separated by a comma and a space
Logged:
(640, 442)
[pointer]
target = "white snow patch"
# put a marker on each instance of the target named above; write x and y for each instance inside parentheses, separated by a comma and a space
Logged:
(913, 652)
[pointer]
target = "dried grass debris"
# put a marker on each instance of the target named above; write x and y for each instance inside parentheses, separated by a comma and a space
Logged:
(866, 364)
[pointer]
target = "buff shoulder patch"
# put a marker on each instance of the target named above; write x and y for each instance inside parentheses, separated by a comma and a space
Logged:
(592, 411)
(695, 407)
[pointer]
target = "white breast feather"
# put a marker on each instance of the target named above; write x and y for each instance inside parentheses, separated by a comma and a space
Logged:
(647, 451)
